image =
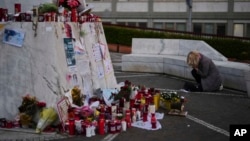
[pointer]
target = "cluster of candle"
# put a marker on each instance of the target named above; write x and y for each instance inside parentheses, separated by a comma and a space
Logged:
(61, 16)
(4, 123)
(117, 117)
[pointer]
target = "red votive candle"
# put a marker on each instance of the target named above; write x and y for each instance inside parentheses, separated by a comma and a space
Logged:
(84, 126)
(72, 126)
(112, 127)
(132, 103)
(101, 125)
(4, 14)
(118, 126)
(153, 121)
(145, 116)
(17, 8)
(9, 124)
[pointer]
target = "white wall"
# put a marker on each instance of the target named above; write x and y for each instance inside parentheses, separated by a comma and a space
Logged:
(40, 67)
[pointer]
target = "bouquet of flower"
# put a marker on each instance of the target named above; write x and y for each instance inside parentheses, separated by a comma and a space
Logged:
(125, 92)
(170, 96)
(28, 109)
(28, 105)
(73, 3)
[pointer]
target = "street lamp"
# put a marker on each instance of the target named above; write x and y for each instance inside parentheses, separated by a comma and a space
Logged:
(189, 23)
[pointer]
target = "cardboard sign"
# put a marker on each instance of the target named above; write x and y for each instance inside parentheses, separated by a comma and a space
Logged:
(62, 109)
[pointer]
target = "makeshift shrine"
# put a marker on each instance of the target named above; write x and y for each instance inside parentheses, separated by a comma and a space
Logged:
(108, 111)
(45, 52)
(116, 110)
(57, 75)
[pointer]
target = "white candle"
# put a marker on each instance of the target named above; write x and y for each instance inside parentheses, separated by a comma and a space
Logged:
(151, 108)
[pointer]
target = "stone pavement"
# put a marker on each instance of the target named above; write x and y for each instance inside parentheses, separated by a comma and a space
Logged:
(20, 134)
(209, 114)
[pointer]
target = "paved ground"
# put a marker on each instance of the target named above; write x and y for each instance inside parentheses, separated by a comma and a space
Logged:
(208, 119)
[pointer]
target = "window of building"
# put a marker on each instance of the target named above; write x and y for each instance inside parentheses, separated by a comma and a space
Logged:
(209, 28)
(238, 30)
(131, 24)
(221, 29)
(106, 22)
(158, 25)
(121, 23)
(197, 28)
(248, 30)
(180, 26)
(170, 26)
(142, 24)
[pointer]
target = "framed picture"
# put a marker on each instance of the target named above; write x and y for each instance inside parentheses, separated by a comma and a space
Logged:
(13, 37)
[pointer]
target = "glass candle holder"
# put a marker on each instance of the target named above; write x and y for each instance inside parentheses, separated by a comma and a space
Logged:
(72, 126)
(17, 7)
(145, 116)
(112, 127)
(153, 121)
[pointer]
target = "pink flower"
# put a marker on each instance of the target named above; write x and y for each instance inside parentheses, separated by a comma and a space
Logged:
(73, 3)
(41, 104)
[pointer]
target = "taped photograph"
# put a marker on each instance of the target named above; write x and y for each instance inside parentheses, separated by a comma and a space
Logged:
(13, 37)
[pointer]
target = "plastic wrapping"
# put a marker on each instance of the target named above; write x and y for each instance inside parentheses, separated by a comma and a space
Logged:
(47, 117)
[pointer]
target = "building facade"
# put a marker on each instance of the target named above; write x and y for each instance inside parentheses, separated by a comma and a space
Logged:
(221, 17)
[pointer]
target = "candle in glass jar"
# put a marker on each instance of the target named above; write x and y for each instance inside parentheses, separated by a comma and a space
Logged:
(101, 125)
(124, 125)
(112, 127)
(84, 126)
(145, 116)
(17, 8)
(4, 14)
(118, 126)
(153, 120)
(71, 127)
(151, 108)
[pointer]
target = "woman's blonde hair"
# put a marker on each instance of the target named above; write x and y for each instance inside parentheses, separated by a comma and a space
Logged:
(193, 58)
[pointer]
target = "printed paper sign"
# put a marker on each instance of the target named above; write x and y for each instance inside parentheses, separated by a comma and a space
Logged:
(69, 51)
(97, 54)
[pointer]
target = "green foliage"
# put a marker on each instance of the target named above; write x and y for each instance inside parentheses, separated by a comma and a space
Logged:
(124, 36)
(231, 48)
(47, 7)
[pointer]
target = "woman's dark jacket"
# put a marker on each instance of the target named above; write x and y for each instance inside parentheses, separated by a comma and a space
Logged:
(210, 76)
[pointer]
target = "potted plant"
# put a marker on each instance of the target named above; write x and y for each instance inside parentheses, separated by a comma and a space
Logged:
(47, 8)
